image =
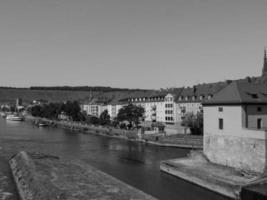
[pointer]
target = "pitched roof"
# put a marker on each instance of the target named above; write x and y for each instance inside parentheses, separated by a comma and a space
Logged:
(240, 93)
(153, 96)
(203, 90)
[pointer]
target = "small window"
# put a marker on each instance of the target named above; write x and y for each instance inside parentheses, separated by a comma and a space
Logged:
(259, 109)
(220, 123)
(259, 123)
(220, 109)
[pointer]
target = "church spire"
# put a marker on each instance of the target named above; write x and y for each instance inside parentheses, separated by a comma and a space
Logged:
(264, 70)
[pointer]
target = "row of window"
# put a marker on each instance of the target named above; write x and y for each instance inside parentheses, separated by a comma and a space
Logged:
(259, 109)
(168, 112)
(168, 99)
(259, 123)
(169, 118)
(193, 98)
(147, 99)
(169, 105)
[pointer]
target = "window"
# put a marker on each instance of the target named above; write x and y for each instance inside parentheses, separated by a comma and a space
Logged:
(259, 109)
(220, 123)
(220, 109)
(259, 123)
(254, 96)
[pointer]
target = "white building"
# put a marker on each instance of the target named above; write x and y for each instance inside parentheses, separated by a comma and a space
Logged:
(94, 109)
(113, 108)
(158, 107)
(235, 123)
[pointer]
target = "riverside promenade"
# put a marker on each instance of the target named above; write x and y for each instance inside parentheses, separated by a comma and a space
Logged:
(224, 180)
(178, 140)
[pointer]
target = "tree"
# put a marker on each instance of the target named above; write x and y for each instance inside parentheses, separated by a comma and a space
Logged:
(72, 109)
(194, 122)
(104, 118)
(131, 113)
(115, 122)
(36, 111)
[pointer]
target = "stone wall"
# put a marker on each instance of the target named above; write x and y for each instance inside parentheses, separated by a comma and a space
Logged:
(238, 152)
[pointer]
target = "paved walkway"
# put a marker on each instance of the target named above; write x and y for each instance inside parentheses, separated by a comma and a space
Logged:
(196, 169)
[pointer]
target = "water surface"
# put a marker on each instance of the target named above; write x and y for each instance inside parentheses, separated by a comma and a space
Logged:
(134, 163)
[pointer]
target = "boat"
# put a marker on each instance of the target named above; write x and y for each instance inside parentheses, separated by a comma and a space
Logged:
(3, 114)
(14, 117)
(42, 124)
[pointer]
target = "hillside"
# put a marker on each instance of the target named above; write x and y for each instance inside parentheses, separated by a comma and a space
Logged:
(9, 95)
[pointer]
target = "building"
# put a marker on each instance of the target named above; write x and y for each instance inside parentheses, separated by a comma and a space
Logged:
(64, 117)
(95, 107)
(159, 107)
(114, 107)
(18, 102)
(170, 109)
(235, 123)
(191, 98)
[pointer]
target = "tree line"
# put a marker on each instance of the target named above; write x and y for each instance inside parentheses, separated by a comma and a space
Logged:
(86, 88)
(53, 110)
(128, 116)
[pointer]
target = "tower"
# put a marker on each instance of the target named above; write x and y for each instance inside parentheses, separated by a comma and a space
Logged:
(264, 69)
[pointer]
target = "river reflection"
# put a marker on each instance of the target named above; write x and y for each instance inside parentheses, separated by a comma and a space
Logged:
(134, 163)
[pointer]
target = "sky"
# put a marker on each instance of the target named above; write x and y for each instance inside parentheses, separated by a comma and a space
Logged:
(148, 44)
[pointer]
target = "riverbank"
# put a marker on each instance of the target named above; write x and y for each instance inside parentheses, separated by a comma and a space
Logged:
(43, 177)
(179, 140)
(197, 169)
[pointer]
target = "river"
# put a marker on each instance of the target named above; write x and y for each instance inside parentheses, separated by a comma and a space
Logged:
(134, 163)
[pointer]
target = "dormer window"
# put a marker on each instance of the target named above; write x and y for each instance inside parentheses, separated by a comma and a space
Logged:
(201, 97)
(253, 95)
(210, 96)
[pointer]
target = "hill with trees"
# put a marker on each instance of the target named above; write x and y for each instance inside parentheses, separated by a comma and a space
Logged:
(86, 94)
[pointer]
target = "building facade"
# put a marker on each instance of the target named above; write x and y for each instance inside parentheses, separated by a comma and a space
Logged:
(191, 98)
(235, 123)
(158, 107)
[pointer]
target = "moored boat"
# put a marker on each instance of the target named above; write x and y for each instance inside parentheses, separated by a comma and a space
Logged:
(3, 114)
(14, 117)
(42, 124)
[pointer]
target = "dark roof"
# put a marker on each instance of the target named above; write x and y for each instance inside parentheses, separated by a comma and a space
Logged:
(240, 93)
(154, 96)
(203, 90)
